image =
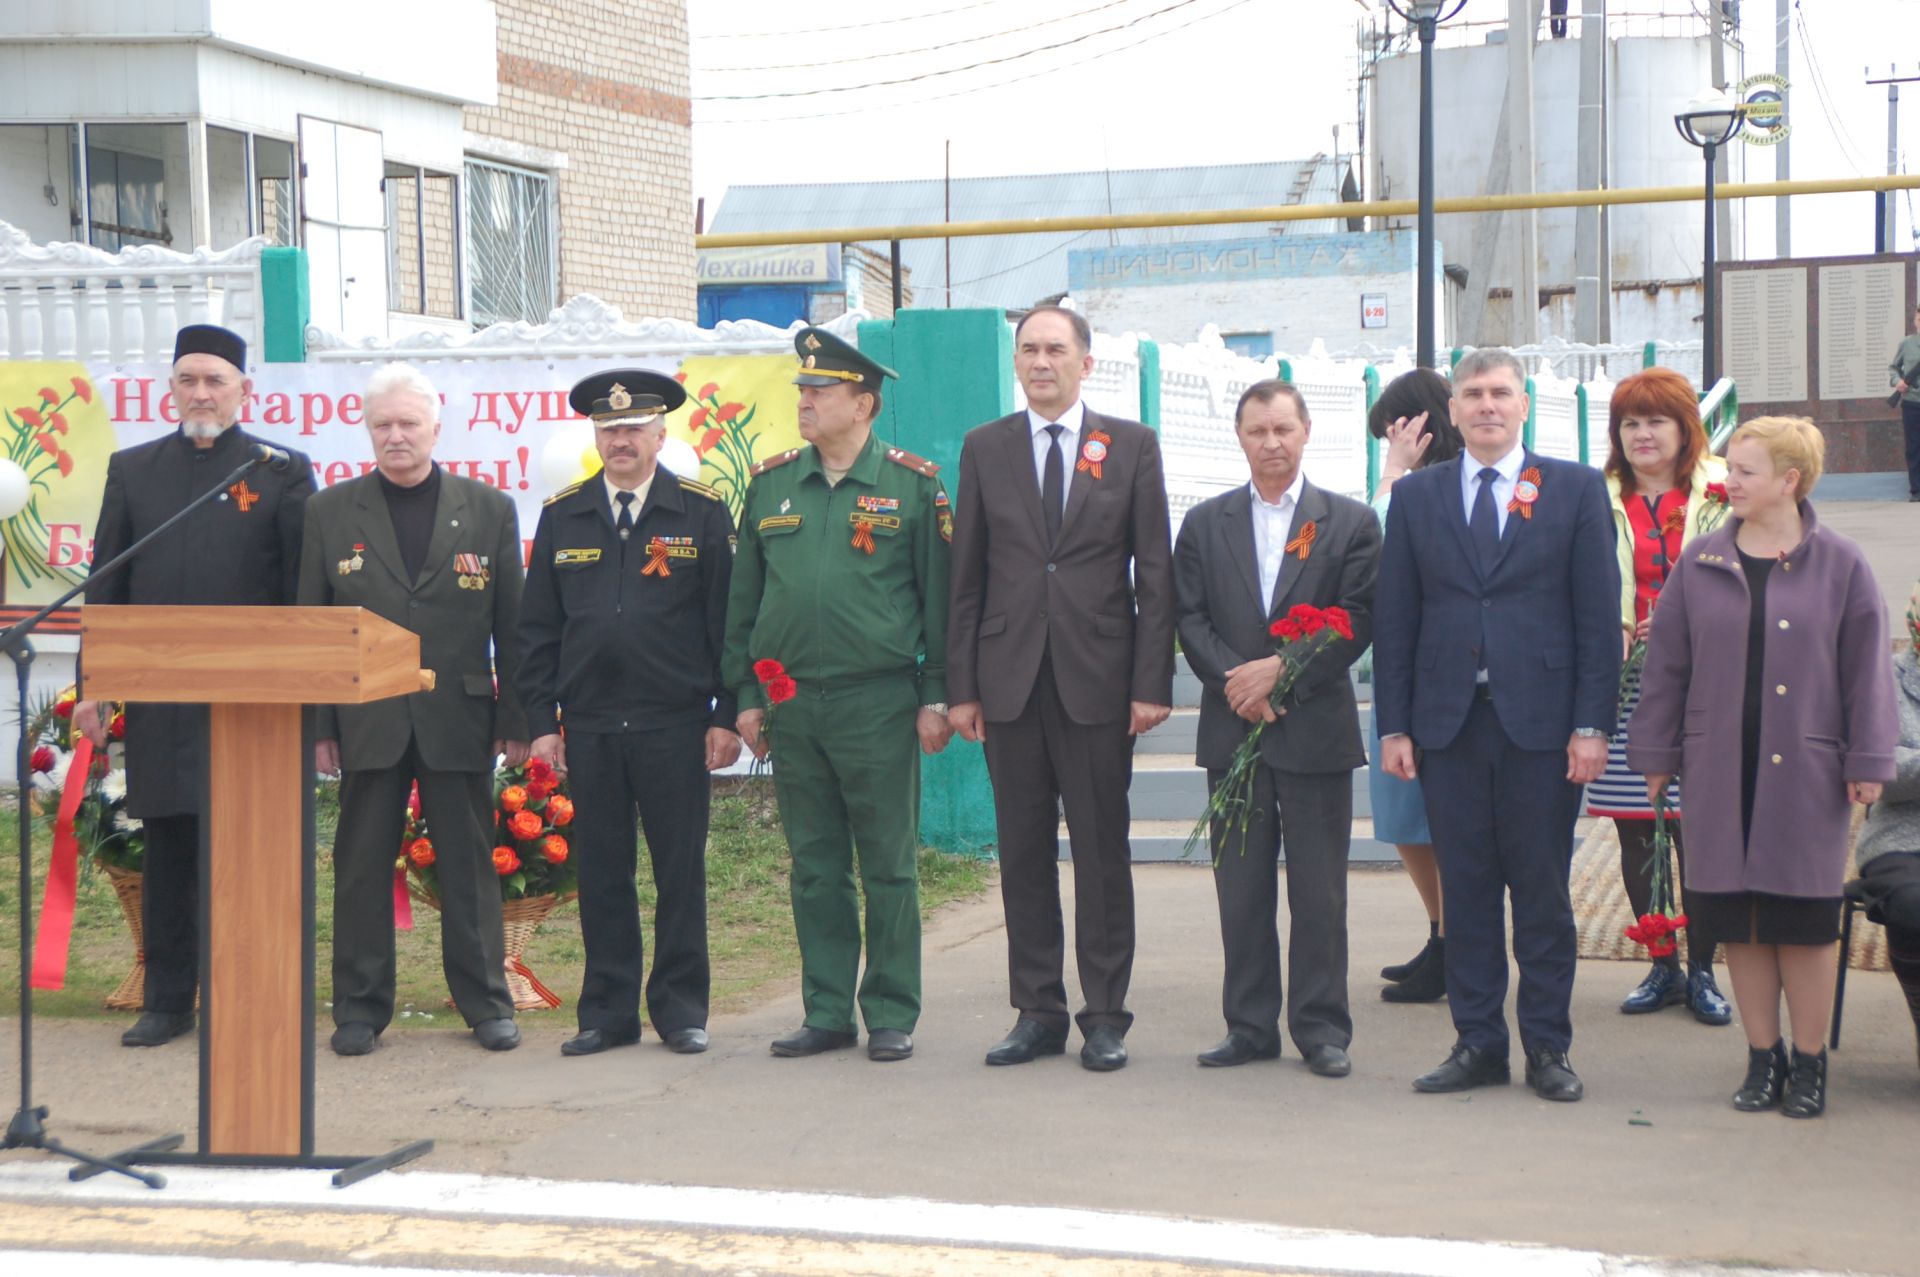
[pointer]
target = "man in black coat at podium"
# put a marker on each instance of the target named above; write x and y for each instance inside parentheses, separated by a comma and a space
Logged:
(242, 549)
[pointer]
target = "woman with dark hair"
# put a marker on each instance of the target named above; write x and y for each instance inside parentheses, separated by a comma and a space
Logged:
(1667, 488)
(1413, 417)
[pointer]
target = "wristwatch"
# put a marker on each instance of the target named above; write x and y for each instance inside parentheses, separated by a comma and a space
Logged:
(1592, 731)
(938, 707)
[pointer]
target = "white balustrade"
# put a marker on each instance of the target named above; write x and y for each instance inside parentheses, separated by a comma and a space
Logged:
(1556, 414)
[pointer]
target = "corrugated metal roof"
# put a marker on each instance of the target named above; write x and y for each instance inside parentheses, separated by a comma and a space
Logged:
(1016, 271)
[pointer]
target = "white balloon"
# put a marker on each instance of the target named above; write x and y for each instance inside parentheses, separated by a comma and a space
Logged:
(15, 490)
(678, 456)
(560, 459)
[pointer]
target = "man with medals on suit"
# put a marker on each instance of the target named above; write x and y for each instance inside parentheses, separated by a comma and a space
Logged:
(1496, 678)
(841, 582)
(241, 550)
(621, 630)
(439, 555)
(1061, 648)
(1243, 558)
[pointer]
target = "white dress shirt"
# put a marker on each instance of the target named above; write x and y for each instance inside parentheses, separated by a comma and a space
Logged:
(1272, 520)
(1509, 468)
(1073, 419)
(639, 495)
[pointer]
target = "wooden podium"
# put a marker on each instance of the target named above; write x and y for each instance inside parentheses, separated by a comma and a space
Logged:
(258, 668)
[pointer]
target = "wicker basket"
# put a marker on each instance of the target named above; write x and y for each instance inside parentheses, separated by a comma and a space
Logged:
(131, 995)
(520, 919)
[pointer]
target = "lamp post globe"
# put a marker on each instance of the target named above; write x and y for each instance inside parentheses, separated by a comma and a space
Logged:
(1425, 16)
(1709, 122)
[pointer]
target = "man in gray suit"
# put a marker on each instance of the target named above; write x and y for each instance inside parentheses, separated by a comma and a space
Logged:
(1059, 653)
(1244, 558)
(439, 555)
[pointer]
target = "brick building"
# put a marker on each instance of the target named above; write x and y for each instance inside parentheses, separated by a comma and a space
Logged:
(444, 163)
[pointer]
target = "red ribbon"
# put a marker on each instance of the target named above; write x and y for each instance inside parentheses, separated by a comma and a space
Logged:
(51, 945)
(656, 559)
(402, 902)
(863, 535)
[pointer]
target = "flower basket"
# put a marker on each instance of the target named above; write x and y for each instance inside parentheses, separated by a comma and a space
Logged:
(520, 919)
(131, 995)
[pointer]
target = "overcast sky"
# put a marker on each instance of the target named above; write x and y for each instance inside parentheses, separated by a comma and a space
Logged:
(1147, 83)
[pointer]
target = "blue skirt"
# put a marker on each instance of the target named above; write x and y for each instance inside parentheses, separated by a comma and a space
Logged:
(1399, 808)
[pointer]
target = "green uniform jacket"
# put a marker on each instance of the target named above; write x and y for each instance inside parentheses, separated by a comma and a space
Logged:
(465, 607)
(807, 593)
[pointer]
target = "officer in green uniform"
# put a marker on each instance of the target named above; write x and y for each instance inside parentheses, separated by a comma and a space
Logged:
(841, 577)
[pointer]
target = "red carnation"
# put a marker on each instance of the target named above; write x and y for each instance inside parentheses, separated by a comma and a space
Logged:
(539, 769)
(1284, 629)
(681, 377)
(49, 395)
(48, 444)
(32, 417)
(728, 412)
(768, 670)
(1340, 621)
(65, 462)
(44, 759)
(1717, 492)
(59, 423)
(781, 689)
(708, 441)
(697, 418)
(63, 709)
(117, 729)
(709, 390)
(83, 388)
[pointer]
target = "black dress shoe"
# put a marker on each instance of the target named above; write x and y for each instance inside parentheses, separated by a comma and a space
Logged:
(1104, 1050)
(1551, 1076)
(594, 1041)
(1766, 1078)
(812, 1041)
(497, 1035)
(1426, 982)
(1328, 1060)
(1704, 999)
(887, 1045)
(157, 1028)
(354, 1038)
(1465, 1069)
(1806, 1085)
(1028, 1041)
(1665, 986)
(1236, 1048)
(691, 1040)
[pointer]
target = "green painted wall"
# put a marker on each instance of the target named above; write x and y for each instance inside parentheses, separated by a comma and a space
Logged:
(285, 304)
(956, 371)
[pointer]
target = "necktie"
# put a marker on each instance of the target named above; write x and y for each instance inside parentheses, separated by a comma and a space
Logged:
(1485, 524)
(1053, 483)
(625, 522)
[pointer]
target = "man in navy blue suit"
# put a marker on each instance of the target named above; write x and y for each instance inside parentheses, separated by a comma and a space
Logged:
(1496, 674)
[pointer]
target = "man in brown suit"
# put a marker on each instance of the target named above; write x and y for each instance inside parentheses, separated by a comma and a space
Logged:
(1059, 653)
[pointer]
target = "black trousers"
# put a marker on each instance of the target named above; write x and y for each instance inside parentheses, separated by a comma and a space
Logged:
(1910, 427)
(1037, 762)
(473, 948)
(1502, 820)
(1312, 816)
(170, 911)
(661, 775)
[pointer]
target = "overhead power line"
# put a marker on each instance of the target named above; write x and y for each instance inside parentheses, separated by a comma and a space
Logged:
(904, 53)
(978, 88)
(851, 26)
(935, 75)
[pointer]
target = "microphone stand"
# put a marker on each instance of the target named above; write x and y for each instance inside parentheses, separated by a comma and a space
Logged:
(28, 1127)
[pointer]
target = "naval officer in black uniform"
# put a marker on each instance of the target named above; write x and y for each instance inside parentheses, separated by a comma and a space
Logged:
(621, 630)
(240, 550)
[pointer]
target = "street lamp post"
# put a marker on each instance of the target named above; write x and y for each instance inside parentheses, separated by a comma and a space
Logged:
(1709, 122)
(1425, 16)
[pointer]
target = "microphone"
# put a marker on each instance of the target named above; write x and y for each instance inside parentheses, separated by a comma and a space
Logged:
(275, 458)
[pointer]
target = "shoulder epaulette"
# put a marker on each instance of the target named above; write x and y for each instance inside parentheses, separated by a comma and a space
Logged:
(773, 463)
(689, 485)
(565, 492)
(901, 457)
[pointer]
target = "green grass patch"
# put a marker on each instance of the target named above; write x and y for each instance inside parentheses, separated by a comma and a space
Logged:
(749, 919)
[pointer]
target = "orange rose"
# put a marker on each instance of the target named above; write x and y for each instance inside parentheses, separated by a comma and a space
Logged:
(554, 848)
(560, 809)
(524, 825)
(504, 861)
(513, 798)
(421, 852)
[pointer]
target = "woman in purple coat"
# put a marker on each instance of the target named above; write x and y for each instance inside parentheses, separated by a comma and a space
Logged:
(1768, 690)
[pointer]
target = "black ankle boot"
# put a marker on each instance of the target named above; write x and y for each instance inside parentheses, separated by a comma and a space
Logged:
(1806, 1085)
(1903, 953)
(1428, 983)
(1401, 970)
(1766, 1078)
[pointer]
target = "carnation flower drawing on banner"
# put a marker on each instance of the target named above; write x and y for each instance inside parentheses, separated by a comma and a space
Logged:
(54, 426)
(740, 410)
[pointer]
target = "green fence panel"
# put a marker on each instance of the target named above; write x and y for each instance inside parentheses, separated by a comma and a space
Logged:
(285, 305)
